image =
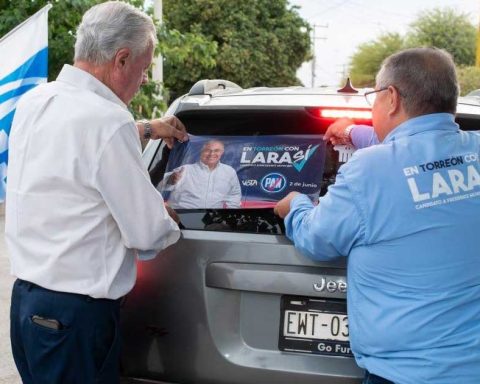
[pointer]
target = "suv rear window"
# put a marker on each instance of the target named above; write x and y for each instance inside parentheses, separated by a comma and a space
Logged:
(272, 152)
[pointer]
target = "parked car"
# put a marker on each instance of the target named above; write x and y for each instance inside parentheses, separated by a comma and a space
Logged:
(235, 302)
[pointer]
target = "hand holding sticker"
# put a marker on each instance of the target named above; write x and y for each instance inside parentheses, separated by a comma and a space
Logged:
(282, 208)
(175, 176)
(338, 132)
(169, 128)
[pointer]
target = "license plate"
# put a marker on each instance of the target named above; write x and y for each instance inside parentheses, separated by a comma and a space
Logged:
(316, 326)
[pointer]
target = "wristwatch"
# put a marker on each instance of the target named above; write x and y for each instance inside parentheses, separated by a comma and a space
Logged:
(347, 132)
(147, 129)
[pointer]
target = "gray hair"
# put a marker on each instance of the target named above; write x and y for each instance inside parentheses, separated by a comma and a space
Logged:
(110, 26)
(213, 141)
(424, 77)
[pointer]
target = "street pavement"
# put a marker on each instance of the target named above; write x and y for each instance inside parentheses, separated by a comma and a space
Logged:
(8, 371)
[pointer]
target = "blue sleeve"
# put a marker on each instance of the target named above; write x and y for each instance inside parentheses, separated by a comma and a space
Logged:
(363, 136)
(328, 230)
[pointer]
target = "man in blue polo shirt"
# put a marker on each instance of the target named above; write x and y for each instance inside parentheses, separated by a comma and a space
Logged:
(406, 212)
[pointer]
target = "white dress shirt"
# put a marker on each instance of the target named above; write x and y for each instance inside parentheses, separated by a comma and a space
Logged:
(200, 187)
(79, 198)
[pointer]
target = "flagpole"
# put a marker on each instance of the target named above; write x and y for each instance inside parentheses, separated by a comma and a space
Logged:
(157, 71)
(46, 8)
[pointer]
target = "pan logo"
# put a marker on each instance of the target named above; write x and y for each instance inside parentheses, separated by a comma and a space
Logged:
(273, 182)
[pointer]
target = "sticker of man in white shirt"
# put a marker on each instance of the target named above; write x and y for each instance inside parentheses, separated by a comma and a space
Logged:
(207, 183)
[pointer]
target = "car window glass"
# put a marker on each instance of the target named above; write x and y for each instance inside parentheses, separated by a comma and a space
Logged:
(239, 130)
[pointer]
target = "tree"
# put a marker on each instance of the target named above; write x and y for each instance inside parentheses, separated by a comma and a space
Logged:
(186, 57)
(441, 28)
(63, 19)
(469, 79)
(447, 29)
(368, 58)
(258, 42)
(65, 16)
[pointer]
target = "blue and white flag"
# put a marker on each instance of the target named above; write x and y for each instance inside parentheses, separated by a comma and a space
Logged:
(24, 65)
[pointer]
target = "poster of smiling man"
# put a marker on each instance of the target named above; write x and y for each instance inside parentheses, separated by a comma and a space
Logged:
(227, 172)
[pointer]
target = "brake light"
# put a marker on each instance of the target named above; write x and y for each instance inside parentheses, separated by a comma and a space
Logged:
(336, 113)
(351, 113)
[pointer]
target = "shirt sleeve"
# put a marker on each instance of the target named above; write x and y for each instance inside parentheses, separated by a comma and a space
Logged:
(234, 198)
(136, 206)
(328, 230)
(363, 136)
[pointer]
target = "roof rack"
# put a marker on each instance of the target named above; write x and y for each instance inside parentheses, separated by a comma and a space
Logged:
(207, 87)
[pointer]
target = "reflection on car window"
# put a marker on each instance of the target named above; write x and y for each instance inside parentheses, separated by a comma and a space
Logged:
(228, 172)
(232, 220)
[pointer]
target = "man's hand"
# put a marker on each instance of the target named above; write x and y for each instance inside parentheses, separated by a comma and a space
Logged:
(175, 177)
(169, 128)
(336, 132)
(171, 212)
(283, 206)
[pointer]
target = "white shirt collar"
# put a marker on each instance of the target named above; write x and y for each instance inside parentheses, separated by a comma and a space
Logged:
(206, 167)
(82, 79)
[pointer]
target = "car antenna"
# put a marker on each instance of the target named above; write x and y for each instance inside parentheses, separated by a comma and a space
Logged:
(347, 88)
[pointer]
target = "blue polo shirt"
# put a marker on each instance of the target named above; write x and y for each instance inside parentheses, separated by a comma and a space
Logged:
(406, 212)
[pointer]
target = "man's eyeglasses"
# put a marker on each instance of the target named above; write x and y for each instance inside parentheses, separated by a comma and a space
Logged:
(372, 95)
(212, 150)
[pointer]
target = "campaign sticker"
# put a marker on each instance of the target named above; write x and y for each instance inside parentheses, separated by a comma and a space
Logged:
(267, 168)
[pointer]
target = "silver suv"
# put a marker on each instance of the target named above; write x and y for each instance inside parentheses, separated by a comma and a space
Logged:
(233, 301)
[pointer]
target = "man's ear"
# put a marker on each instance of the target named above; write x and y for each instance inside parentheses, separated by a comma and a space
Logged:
(395, 102)
(121, 58)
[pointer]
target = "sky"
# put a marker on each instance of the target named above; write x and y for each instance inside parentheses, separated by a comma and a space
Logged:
(345, 24)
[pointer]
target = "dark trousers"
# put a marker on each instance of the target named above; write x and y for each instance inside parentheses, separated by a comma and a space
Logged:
(370, 378)
(84, 349)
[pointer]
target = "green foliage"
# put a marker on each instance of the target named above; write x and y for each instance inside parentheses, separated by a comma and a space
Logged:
(148, 102)
(469, 79)
(369, 57)
(186, 57)
(447, 29)
(441, 28)
(251, 42)
(257, 42)
(63, 19)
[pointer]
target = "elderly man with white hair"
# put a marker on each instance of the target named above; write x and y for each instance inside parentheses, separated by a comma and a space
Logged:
(80, 205)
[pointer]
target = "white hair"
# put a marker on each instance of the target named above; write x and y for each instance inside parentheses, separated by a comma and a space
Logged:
(110, 26)
(213, 141)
